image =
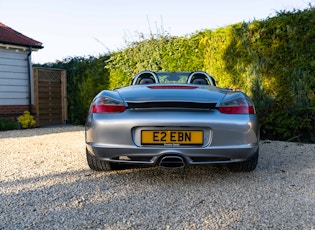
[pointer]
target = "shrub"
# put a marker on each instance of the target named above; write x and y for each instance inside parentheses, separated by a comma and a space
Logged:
(7, 124)
(27, 120)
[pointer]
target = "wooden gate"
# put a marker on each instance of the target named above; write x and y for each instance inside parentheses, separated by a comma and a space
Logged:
(50, 96)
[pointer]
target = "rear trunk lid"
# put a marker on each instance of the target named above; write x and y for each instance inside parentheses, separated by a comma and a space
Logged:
(172, 96)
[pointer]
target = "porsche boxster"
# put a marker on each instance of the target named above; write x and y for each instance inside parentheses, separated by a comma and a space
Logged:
(172, 119)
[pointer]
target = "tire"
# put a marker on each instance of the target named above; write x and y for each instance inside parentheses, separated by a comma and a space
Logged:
(96, 164)
(246, 166)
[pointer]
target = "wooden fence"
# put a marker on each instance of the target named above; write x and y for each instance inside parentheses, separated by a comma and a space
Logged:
(50, 96)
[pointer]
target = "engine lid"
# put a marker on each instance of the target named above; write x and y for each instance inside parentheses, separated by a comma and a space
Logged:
(171, 94)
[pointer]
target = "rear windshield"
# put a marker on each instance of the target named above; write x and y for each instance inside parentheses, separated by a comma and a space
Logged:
(173, 77)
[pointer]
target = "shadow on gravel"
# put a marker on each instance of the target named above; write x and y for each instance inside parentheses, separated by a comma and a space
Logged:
(132, 174)
(146, 197)
(83, 198)
(151, 197)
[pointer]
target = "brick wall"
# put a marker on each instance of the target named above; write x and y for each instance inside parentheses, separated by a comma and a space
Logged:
(13, 111)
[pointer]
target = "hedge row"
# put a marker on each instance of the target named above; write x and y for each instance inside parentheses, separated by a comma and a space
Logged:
(272, 60)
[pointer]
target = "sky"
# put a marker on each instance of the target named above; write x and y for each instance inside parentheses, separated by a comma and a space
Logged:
(72, 28)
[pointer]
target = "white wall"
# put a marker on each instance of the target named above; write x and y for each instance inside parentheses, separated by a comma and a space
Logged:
(13, 77)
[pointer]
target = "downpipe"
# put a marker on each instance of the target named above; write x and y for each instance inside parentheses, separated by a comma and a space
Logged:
(29, 68)
(172, 162)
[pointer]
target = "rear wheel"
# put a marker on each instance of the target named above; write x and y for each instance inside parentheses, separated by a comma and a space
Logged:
(246, 166)
(96, 164)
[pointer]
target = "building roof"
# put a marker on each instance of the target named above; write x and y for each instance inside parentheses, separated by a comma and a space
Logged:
(11, 37)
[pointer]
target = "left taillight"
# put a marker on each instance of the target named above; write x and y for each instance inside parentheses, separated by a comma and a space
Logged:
(107, 105)
(237, 106)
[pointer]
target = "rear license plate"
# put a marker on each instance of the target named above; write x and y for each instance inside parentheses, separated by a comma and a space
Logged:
(182, 137)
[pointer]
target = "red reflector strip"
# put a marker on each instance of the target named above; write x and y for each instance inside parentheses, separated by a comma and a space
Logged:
(172, 87)
(237, 109)
(108, 108)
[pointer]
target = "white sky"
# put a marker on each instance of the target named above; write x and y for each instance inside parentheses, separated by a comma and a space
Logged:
(70, 28)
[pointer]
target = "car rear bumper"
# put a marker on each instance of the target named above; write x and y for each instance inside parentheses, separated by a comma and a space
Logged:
(151, 156)
(227, 139)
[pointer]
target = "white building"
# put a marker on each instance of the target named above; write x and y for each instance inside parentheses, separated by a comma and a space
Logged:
(16, 80)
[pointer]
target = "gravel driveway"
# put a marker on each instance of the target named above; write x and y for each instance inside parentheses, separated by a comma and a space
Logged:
(46, 184)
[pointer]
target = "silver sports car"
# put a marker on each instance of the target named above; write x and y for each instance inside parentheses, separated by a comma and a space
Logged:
(172, 119)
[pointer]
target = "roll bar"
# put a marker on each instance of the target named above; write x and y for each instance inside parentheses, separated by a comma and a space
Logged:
(147, 74)
(200, 75)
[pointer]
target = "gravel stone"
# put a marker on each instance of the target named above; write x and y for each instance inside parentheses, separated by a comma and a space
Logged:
(45, 183)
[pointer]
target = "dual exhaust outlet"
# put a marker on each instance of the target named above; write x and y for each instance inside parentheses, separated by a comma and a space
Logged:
(172, 162)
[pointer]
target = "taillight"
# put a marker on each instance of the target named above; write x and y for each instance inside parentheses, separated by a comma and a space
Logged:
(107, 105)
(237, 106)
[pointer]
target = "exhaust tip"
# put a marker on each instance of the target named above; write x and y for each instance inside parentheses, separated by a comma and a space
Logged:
(172, 162)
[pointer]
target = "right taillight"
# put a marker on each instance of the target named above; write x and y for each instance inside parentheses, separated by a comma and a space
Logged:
(237, 106)
(107, 105)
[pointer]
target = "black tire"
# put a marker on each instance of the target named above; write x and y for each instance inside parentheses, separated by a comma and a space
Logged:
(246, 166)
(96, 164)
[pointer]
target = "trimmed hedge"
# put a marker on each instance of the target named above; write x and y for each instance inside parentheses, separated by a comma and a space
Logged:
(7, 124)
(272, 60)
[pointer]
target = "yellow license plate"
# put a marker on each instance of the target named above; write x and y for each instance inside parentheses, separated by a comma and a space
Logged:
(182, 137)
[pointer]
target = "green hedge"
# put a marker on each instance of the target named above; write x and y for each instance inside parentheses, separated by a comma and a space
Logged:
(7, 124)
(272, 60)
